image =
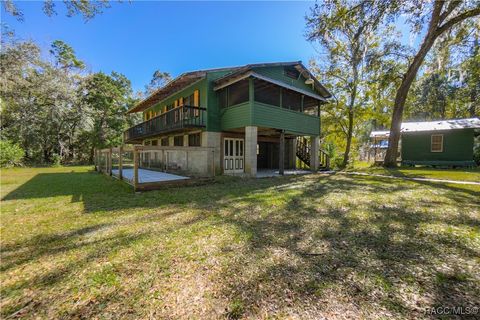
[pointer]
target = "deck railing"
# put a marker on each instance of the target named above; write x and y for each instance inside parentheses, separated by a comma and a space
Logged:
(178, 118)
(125, 163)
(303, 152)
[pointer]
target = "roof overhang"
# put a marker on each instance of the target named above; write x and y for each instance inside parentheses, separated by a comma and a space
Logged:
(253, 74)
(169, 89)
(247, 71)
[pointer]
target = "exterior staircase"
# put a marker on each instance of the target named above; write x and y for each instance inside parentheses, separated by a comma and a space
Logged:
(304, 154)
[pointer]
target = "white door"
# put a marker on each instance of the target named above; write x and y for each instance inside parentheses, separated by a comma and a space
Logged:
(233, 155)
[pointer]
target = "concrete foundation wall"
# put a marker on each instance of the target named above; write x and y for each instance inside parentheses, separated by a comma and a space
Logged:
(213, 140)
(189, 161)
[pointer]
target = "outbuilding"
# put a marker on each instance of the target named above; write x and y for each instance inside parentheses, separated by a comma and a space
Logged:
(437, 143)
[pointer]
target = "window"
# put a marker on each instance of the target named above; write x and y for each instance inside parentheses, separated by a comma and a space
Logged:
(164, 142)
(178, 141)
(437, 143)
(267, 93)
(196, 102)
(187, 100)
(154, 142)
(196, 98)
(291, 72)
(147, 143)
(194, 140)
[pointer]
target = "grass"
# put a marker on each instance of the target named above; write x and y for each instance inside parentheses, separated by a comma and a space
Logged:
(459, 174)
(77, 244)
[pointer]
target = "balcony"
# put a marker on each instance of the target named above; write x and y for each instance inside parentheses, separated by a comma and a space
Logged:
(173, 120)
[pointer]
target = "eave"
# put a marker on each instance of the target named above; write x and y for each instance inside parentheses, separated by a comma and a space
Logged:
(273, 81)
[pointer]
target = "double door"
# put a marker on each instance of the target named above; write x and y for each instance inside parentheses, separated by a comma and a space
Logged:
(233, 155)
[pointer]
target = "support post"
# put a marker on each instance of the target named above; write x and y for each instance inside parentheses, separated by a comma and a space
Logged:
(294, 153)
(314, 147)
(95, 159)
(110, 156)
(106, 162)
(135, 168)
(281, 155)
(120, 163)
(251, 151)
(213, 163)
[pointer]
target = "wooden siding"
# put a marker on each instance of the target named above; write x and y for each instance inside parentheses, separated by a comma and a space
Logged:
(237, 116)
(200, 85)
(213, 110)
(263, 115)
(242, 115)
(457, 146)
(279, 118)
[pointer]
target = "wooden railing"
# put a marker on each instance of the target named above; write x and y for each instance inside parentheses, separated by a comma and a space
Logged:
(178, 118)
(304, 153)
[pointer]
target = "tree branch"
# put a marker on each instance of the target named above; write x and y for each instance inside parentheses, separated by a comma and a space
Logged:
(451, 6)
(464, 15)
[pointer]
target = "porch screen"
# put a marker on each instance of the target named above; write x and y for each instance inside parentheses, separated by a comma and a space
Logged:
(292, 100)
(310, 105)
(267, 93)
(238, 93)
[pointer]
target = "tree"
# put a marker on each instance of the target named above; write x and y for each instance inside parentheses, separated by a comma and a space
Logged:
(11, 154)
(54, 112)
(106, 99)
(87, 9)
(442, 16)
(346, 37)
(65, 56)
(159, 79)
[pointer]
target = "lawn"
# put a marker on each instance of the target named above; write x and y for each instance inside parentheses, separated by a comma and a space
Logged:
(462, 174)
(77, 244)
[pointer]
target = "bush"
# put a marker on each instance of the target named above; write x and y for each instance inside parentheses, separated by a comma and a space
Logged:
(476, 155)
(11, 154)
(56, 160)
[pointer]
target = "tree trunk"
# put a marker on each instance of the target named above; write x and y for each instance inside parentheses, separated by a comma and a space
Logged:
(434, 30)
(346, 156)
(400, 98)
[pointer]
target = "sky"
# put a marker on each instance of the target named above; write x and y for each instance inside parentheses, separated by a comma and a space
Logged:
(137, 38)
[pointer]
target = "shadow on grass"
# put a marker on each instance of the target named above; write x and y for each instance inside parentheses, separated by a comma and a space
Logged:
(316, 246)
(368, 261)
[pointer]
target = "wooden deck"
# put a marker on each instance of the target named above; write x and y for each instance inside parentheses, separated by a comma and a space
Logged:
(148, 176)
(128, 164)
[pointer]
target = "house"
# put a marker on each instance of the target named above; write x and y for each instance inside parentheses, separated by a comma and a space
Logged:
(253, 117)
(435, 143)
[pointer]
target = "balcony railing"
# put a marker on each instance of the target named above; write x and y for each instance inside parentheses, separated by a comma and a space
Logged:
(175, 119)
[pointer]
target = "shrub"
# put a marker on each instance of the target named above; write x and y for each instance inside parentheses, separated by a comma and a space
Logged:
(11, 154)
(56, 160)
(476, 155)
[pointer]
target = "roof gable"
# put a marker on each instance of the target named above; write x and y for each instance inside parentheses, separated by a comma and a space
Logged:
(275, 72)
